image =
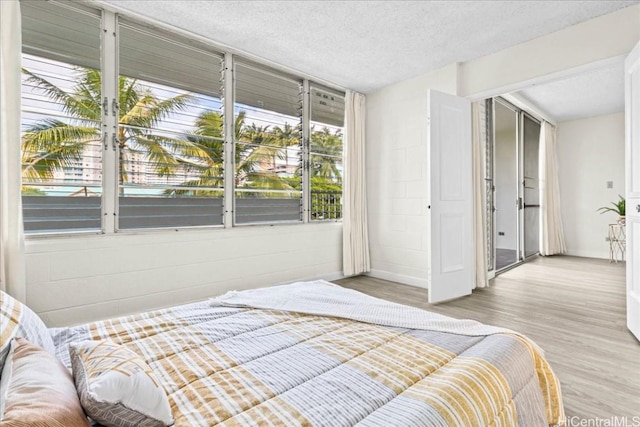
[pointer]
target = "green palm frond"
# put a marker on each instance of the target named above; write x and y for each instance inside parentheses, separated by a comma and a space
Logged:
(239, 125)
(53, 145)
(265, 181)
(287, 135)
(128, 94)
(161, 156)
(326, 142)
(55, 93)
(210, 124)
(209, 177)
(84, 102)
(148, 111)
(168, 106)
(51, 133)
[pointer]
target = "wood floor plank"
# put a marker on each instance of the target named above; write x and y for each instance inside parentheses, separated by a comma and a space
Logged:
(574, 308)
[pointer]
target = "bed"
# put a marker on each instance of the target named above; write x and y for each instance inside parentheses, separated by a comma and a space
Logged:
(316, 354)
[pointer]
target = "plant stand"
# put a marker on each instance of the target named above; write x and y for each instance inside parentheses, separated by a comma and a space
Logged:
(617, 242)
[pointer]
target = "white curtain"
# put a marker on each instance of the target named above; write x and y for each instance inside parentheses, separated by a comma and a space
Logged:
(551, 233)
(12, 267)
(478, 117)
(355, 237)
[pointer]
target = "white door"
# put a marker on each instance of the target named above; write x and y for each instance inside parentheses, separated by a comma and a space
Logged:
(451, 201)
(632, 124)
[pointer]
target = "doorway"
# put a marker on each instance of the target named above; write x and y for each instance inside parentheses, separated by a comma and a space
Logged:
(513, 147)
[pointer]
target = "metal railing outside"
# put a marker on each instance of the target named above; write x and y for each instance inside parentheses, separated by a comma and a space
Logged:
(326, 205)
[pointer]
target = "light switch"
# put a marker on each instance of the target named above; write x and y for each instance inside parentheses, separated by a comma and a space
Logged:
(609, 184)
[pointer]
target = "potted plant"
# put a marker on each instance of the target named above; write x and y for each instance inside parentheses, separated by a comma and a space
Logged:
(618, 207)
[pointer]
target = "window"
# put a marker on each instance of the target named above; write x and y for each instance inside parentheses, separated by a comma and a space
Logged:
(268, 122)
(325, 153)
(60, 130)
(124, 128)
(170, 141)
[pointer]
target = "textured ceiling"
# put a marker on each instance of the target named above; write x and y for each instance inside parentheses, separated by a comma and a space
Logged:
(589, 94)
(366, 45)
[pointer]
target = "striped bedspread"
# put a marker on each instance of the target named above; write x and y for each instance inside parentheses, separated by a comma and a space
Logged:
(232, 366)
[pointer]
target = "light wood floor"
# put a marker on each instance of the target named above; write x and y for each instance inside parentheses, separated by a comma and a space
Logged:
(574, 308)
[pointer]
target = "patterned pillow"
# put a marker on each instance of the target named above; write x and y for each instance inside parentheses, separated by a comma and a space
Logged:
(36, 390)
(117, 387)
(17, 320)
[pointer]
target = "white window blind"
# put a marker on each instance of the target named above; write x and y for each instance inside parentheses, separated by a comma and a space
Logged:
(61, 108)
(170, 131)
(268, 142)
(325, 152)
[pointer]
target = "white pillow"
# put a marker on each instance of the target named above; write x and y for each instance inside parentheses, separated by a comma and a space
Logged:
(17, 320)
(117, 387)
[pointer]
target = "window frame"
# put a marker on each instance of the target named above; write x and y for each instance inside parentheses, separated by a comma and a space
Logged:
(313, 86)
(109, 68)
(249, 64)
(214, 73)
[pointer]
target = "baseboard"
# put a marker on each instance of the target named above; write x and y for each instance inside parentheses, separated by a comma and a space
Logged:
(400, 278)
(330, 277)
(588, 254)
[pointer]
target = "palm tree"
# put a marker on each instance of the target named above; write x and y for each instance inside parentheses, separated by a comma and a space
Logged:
(325, 175)
(52, 144)
(326, 153)
(256, 151)
(209, 136)
(286, 137)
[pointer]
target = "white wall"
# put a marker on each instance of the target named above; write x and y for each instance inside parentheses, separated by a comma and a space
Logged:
(77, 279)
(590, 153)
(398, 176)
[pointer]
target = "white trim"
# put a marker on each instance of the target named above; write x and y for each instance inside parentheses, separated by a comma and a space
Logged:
(547, 78)
(336, 275)
(109, 122)
(306, 140)
(588, 254)
(229, 125)
(529, 107)
(399, 278)
(214, 44)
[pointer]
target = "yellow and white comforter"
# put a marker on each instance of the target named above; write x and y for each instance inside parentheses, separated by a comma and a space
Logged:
(238, 366)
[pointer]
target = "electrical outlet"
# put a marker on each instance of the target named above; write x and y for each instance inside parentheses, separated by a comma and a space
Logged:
(607, 239)
(609, 184)
(501, 233)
